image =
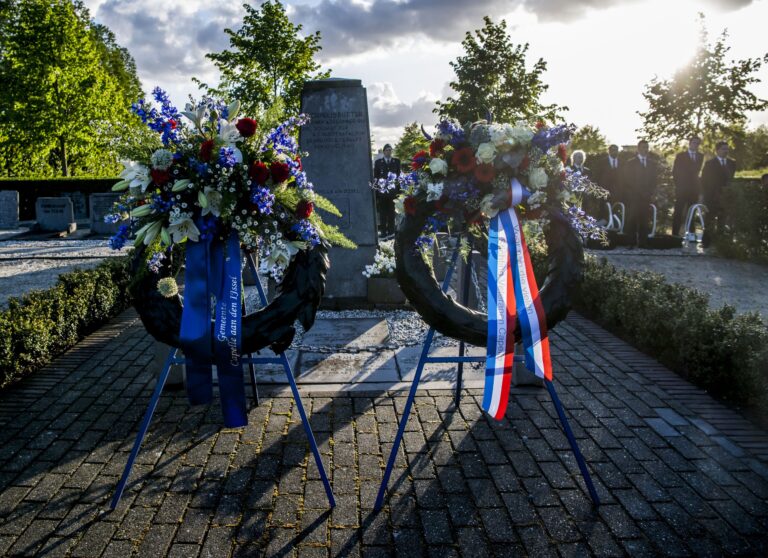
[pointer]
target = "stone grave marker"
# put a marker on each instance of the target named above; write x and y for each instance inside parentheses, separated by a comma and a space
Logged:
(79, 204)
(55, 214)
(101, 205)
(9, 209)
(337, 139)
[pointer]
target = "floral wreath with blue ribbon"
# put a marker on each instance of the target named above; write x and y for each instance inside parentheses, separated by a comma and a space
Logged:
(486, 180)
(218, 184)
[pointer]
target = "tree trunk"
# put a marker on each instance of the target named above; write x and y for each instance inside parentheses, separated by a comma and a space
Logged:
(63, 156)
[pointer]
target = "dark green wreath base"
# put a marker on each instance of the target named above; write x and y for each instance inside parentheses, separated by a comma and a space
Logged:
(565, 268)
(298, 298)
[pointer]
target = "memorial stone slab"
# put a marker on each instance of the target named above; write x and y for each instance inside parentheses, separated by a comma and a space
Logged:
(9, 209)
(55, 214)
(337, 139)
(349, 332)
(101, 205)
(345, 368)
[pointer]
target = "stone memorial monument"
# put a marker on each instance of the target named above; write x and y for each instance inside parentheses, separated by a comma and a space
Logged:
(9, 209)
(55, 214)
(337, 139)
(101, 205)
(79, 204)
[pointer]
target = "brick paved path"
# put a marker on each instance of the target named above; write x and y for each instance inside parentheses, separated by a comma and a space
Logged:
(678, 473)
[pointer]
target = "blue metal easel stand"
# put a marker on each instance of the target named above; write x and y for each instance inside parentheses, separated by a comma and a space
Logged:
(250, 360)
(425, 359)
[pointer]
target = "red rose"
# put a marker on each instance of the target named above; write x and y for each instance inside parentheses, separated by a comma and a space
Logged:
(464, 159)
(304, 209)
(280, 172)
(259, 172)
(298, 160)
(485, 172)
(409, 204)
(524, 163)
(436, 147)
(160, 177)
(206, 150)
(246, 127)
(419, 159)
(562, 152)
(172, 122)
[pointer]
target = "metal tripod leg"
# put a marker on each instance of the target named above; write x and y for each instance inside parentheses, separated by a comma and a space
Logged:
(465, 301)
(143, 428)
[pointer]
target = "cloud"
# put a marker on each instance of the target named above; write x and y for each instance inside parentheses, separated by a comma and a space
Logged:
(386, 110)
(170, 44)
(349, 26)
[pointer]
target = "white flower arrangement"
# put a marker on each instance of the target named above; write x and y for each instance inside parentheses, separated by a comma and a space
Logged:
(383, 262)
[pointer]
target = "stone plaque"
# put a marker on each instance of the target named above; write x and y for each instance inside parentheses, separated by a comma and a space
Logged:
(337, 139)
(55, 214)
(349, 332)
(9, 209)
(79, 204)
(101, 205)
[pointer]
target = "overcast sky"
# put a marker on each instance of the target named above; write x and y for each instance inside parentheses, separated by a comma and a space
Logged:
(600, 53)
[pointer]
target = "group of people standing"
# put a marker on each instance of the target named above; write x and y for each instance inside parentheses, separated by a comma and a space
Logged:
(634, 181)
(631, 181)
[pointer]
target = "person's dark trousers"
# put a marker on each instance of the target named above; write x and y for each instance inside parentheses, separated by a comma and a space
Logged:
(683, 200)
(386, 209)
(637, 222)
(714, 222)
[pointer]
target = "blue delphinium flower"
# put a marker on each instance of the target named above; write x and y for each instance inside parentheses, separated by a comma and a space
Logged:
(155, 262)
(306, 232)
(263, 198)
(280, 138)
(227, 157)
(119, 239)
(112, 218)
(165, 121)
(423, 242)
(452, 129)
(160, 205)
(547, 138)
(208, 226)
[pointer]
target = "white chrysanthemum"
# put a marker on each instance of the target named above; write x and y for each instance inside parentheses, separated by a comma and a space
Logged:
(434, 191)
(537, 199)
(161, 159)
(537, 178)
(486, 206)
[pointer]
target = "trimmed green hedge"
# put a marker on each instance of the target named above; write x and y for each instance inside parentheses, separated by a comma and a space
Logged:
(720, 351)
(42, 324)
(746, 210)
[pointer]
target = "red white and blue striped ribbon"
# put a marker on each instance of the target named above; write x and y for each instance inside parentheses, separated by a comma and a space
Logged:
(512, 291)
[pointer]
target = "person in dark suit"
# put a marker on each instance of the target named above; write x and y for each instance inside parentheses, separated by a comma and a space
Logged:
(609, 175)
(685, 173)
(385, 203)
(578, 158)
(640, 178)
(716, 179)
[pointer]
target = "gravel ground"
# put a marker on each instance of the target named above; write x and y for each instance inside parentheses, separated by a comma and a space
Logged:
(27, 265)
(743, 285)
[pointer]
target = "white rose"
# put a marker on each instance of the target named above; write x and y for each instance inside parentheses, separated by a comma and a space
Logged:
(537, 178)
(486, 152)
(521, 134)
(438, 166)
(434, 191)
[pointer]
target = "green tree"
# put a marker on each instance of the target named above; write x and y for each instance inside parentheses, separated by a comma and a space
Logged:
(267, 59)
(709, 97)
(754, 153)
(410, 142)
(56, 87)
(492, 76)
(589, 139)
(118, 62)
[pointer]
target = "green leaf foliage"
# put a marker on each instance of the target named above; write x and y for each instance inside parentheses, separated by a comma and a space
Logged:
(493, 76)
(267, 59)
(63, 78)
(42, 324)
(411, 141)
(710, 97)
